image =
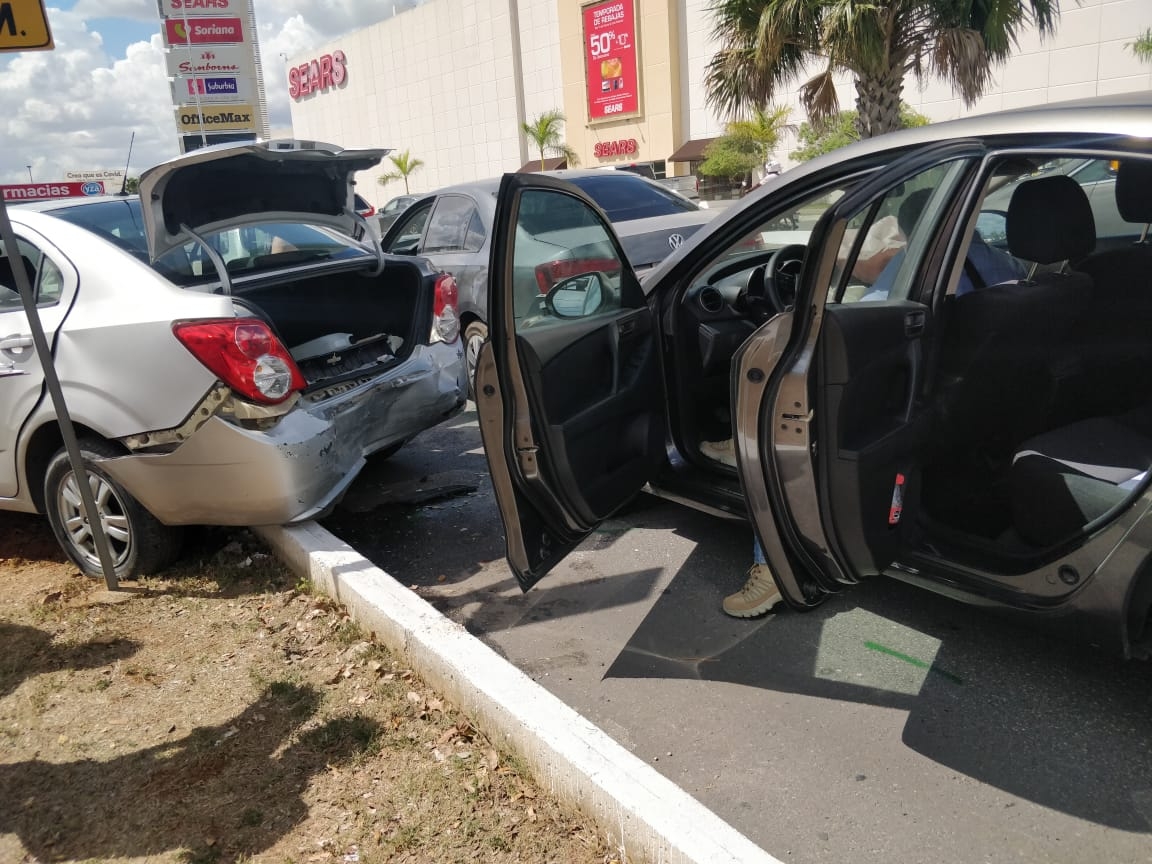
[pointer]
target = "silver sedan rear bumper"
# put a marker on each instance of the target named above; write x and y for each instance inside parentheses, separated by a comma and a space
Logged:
(228, 475)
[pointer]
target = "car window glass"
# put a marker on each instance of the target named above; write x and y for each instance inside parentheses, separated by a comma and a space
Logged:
(474, 238)
(45, 277)
(571, 269)
(407, 237)
(624, 196)
(449, 224)
(886, 241)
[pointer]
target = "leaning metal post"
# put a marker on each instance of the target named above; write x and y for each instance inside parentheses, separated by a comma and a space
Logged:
(95, 525)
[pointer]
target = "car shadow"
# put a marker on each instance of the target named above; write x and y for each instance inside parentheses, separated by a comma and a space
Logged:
(1053, 722)
(221, 792)
(29, 651)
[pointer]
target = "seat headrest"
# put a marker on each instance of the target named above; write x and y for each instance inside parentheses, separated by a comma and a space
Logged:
(1050, 220)
(1134, 191)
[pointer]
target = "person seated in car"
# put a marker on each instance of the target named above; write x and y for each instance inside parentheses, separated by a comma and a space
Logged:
(984, 265)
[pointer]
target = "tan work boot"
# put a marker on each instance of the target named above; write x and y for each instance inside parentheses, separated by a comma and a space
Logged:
(757, 597)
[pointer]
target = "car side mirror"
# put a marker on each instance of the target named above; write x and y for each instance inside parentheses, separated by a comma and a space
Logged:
(577, 296)
(992, 226)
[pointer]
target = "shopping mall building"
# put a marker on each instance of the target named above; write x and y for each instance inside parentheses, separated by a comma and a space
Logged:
(452, 80)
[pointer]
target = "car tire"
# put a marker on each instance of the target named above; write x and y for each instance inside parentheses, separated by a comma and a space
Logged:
(475, 335)
(140, 543)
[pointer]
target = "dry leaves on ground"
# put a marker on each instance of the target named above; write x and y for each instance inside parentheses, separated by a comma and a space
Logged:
(223, 713)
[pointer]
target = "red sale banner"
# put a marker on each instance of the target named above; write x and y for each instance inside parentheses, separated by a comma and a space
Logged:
(610, 58)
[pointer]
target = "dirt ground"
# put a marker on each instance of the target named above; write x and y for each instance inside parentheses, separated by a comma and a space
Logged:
(225, 713)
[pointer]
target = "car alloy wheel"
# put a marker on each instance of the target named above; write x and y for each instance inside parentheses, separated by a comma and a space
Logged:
(140, 544)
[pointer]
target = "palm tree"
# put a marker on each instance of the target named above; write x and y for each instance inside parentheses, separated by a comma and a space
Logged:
(1142, 47)
(544, 133)
(766, 45)
(405, 165)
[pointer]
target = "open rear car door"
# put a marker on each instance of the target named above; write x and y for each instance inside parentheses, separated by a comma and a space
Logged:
(827, 396)
(569, 388)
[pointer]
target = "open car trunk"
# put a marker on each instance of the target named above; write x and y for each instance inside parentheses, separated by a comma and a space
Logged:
(347, 323)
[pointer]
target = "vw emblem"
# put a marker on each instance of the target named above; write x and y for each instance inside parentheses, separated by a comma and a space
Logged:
(674, 240)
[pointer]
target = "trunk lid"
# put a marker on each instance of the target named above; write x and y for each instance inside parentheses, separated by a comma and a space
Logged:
(649, 241)
(233, 185)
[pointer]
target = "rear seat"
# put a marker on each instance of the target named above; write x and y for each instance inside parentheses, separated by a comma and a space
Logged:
(1063, 479)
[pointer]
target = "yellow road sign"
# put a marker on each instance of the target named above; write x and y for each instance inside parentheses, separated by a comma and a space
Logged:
(24, 26)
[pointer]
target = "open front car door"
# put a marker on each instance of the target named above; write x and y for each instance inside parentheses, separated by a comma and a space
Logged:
(568, 387)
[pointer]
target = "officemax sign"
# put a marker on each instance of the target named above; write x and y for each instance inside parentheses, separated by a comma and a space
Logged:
(227, 117)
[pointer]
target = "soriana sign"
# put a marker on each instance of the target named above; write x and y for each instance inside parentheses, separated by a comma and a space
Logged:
(203, 31)
(42, 191)
(328, 70)
(610, 59)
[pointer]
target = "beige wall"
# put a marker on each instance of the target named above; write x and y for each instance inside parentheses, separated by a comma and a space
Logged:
(658, 128)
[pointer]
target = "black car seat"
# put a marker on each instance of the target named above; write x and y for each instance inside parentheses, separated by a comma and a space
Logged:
(1004, 350)
(1116, 334)
(1064, 479)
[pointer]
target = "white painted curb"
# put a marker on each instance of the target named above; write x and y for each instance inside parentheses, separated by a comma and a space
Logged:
(645, 814)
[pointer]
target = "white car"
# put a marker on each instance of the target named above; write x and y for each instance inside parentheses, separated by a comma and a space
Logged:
(228, 349)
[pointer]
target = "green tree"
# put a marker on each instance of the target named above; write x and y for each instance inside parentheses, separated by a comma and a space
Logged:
(405, 166)
(1142, 47)
(766, 45)
(132, 185)
(842, 130)
(544, 133)
(746, 144)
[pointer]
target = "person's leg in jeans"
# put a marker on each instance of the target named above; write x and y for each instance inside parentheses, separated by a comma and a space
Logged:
(759, 593)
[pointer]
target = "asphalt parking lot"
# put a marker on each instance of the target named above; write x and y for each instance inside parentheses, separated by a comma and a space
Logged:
(890, 725)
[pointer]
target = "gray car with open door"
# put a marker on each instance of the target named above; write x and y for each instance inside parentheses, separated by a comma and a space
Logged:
(906, 397)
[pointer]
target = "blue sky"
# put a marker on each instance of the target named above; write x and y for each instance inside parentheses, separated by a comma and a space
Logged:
(75, 108)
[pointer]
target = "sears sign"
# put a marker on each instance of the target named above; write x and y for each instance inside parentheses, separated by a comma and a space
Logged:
(316, 75)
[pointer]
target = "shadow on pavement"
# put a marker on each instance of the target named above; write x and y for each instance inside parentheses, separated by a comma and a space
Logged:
(1052, 722)
(221, 791)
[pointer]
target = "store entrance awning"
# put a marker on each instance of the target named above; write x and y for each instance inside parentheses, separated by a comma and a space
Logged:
(691, 151)
(554, 163)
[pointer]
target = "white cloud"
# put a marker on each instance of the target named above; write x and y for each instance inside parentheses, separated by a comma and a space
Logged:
(76, 107)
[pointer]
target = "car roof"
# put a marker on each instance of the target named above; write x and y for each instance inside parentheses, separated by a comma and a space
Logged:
(62, 203)
(491, 185)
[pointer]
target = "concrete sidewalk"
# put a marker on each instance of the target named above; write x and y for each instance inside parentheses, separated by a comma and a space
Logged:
(647, 816)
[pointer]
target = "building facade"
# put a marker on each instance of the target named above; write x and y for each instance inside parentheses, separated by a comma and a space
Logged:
(451, 81)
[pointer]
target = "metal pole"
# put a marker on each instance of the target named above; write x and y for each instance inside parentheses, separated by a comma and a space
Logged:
(29, 167)
(67, 431)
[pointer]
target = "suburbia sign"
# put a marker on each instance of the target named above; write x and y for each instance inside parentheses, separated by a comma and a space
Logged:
(328, 70)
(623, 147)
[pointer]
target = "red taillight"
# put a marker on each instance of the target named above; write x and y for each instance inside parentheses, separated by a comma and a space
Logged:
(552, 272)
(370, 211)
(245, 355)
(445, 318)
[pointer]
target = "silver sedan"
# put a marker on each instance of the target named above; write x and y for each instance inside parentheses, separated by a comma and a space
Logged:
(229, 351)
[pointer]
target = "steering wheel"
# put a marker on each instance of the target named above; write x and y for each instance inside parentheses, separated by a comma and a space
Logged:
(781, 275)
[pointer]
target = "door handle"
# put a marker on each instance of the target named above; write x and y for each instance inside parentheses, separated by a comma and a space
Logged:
(914, 322)
(9, 343)
(627, 327)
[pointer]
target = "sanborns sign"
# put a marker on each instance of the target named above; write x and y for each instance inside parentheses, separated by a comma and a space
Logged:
(328, 70)
(227, 117)
(42, 191)
(219, 60)
(203, 31)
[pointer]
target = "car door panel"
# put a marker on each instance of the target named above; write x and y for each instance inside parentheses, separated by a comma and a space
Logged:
(835, 415)
(871, 357)
(571, 409)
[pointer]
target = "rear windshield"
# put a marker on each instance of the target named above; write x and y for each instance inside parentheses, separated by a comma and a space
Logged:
(624, 196)
(252, 248)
